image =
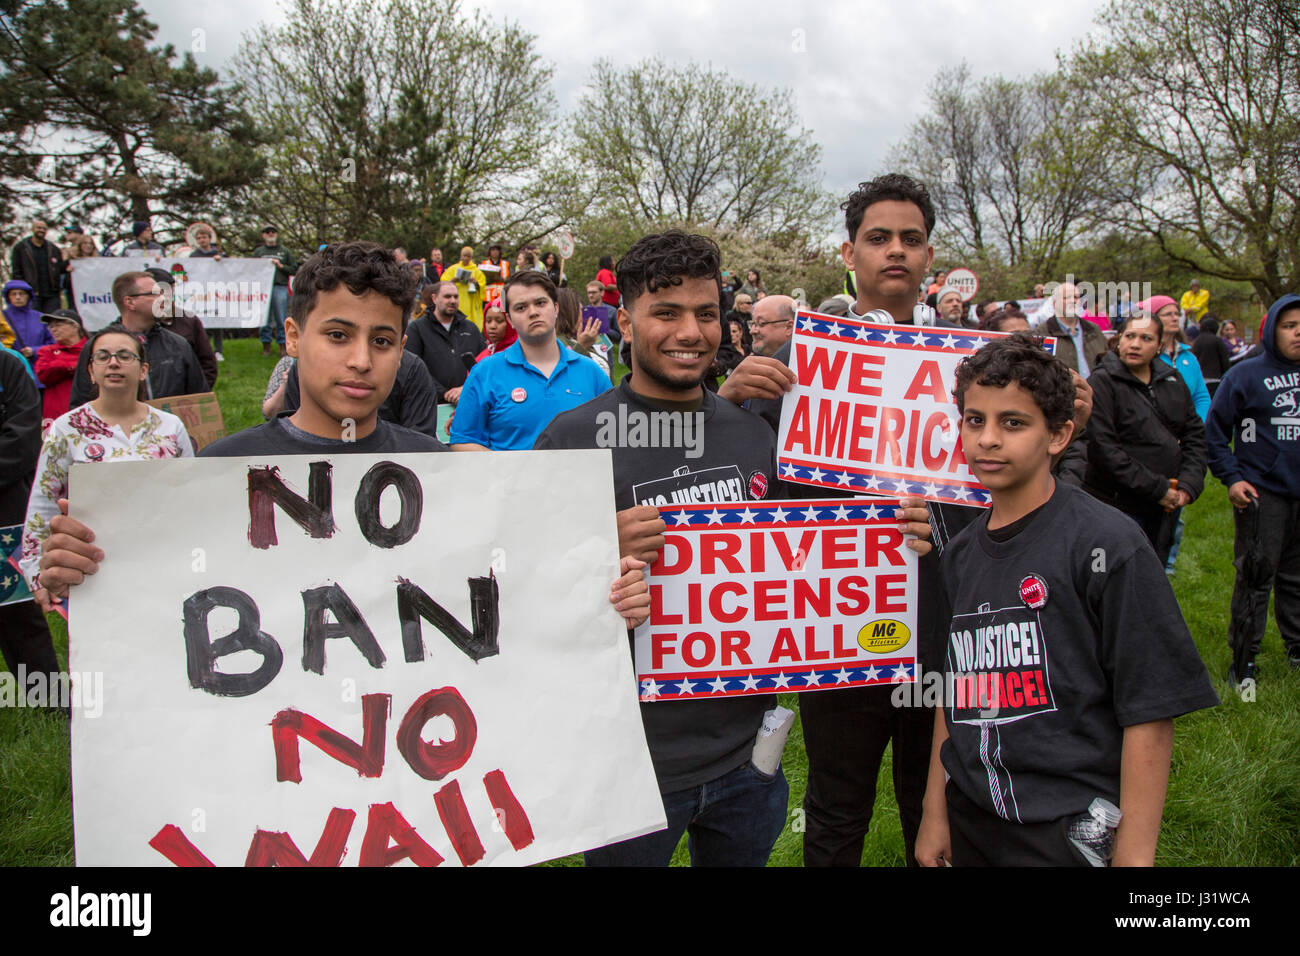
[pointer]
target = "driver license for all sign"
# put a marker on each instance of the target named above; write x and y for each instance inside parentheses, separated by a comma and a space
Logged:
(771, 596)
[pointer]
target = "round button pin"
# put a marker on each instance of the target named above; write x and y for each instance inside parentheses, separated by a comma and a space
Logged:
(519, 394)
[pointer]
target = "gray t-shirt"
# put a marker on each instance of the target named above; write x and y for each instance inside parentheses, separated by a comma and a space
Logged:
(280, 436)
(693, 741)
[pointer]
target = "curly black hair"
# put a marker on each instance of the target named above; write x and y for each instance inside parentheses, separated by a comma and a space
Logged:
(1020, 358)
(665, 259)
(362, 267)
(890, 186)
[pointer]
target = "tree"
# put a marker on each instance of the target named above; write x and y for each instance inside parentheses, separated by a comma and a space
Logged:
(693, 146)
(1007, 166)
(97, 120)
(397, 120)
(1200, 110)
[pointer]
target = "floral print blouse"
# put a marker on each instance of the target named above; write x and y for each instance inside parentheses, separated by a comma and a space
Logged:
(81, 435)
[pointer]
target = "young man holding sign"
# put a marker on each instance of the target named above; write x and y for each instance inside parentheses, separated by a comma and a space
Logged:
(350, 307)
(889, 222)
(671, 287)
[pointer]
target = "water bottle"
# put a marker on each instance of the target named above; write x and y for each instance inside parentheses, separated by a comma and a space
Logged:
(1093, 833)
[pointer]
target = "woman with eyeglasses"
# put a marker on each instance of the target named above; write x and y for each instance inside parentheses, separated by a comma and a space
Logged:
(115, 426)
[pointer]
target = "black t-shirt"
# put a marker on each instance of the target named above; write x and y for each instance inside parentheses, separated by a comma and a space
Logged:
(1009, 531)
(280, 436)
(1060, 638)
(691, 741)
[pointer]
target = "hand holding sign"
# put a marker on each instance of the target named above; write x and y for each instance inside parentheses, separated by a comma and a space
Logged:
(588, 333)
(757, 377)
(69, 554)
(641, 533)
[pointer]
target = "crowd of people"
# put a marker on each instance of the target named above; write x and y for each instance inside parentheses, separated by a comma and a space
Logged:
(1072, 445)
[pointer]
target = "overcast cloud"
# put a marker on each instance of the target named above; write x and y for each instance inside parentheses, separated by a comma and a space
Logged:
(860, 79)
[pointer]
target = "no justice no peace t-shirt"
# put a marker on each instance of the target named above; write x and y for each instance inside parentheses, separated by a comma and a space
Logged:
(1060, 638)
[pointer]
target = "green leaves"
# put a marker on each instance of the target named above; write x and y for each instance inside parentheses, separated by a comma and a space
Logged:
(1199, 101)
(397, 120)
(692, 145)
(100, 122)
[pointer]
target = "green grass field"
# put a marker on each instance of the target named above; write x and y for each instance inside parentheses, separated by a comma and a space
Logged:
(1234, 792)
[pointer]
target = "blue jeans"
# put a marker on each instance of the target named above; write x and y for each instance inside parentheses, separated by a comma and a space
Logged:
(279, 309)
(1178, 543)
(731, 821)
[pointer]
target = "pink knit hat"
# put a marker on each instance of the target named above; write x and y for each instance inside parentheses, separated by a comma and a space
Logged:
(1153, 305)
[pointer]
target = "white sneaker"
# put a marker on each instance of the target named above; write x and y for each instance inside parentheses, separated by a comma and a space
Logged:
(220, 357)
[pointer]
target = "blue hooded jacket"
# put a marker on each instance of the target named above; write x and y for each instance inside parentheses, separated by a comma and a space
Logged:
(1190, 369)
(1257, 409)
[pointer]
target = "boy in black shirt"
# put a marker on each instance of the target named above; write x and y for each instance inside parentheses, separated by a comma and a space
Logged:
(1067, 657)
(351, 303)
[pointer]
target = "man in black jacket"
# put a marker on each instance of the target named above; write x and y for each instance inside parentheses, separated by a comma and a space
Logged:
(24, 636)
(173, 366)
(39, 263)
(185, 324)
(446, 341)
(1212, 353)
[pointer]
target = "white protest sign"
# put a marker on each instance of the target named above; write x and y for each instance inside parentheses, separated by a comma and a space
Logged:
(757, 597)
(964, 280)
(230, 294)
(564, 241)
(873, 410)
(1027, 306)
(433, 674)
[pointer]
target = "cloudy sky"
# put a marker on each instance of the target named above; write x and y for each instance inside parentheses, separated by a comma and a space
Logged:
(859, 68)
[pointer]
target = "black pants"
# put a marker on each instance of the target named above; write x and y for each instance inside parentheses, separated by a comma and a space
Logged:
(45, 303)
(1158, 525)
(980, 838)
(845, 733)
(1275, 530)
(25, 639)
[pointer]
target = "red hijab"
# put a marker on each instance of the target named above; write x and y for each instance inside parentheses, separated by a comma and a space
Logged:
(507, 340)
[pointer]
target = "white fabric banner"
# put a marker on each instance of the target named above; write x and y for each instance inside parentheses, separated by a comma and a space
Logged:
(432, 673)
(230, 294)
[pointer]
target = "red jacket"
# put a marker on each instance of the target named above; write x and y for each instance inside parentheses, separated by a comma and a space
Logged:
(55, 366)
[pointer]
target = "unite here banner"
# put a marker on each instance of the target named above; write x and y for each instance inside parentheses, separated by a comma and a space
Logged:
(761, 597)
(351, 660)
(873, 412)
(230, 294)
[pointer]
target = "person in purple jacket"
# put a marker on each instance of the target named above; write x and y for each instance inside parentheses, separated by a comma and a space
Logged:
(30, 333)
